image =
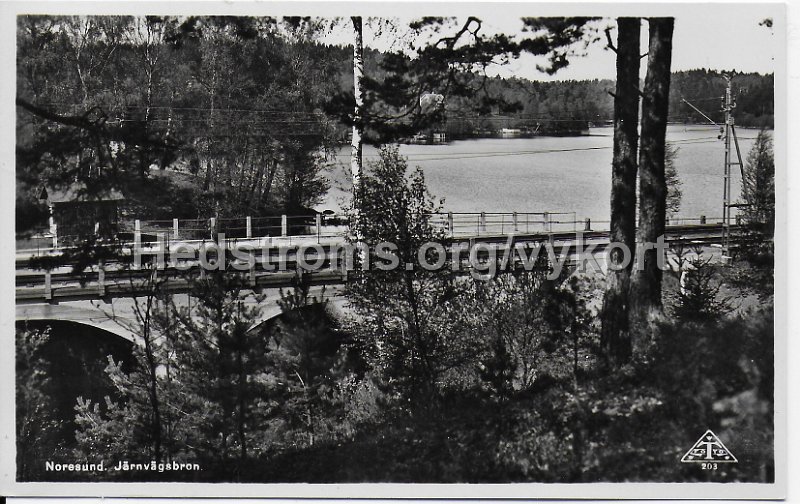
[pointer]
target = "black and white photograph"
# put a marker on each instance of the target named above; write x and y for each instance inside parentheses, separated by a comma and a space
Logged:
(405, 244)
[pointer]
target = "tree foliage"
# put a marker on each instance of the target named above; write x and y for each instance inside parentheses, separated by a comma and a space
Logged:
(36, 427)
(699, 297)
(758, 186)
(189, 117)
(403, 309)
(207, 369)
(754, 270)
(672, 179)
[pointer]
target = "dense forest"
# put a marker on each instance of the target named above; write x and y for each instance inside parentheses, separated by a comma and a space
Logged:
(231, 108)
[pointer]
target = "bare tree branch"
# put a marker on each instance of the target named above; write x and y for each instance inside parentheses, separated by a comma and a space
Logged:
(608, 38)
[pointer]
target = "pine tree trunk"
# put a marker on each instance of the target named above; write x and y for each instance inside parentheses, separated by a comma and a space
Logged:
(646, 283)
(614, 315)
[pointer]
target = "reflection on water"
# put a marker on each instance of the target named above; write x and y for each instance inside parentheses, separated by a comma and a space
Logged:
(555, 174)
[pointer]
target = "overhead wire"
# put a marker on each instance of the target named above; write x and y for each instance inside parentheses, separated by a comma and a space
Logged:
(478, 155)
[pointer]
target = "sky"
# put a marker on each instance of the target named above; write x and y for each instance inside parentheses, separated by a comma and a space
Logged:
(719, 37)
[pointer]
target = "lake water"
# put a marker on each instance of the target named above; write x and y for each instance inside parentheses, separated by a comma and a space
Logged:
(553, 174)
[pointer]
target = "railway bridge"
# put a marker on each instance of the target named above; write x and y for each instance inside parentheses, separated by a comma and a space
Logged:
(105, 295)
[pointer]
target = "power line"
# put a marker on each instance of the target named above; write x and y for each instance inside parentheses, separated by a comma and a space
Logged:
(708, 98)
(478, 155)
(280, 116)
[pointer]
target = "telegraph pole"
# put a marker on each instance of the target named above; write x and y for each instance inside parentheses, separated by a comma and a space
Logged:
(729, 132)
(726, 132)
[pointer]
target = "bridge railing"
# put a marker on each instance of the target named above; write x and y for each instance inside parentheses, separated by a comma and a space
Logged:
(701, 220)
(483, 223)
(321, 227)
(110, 278)
(235, 227)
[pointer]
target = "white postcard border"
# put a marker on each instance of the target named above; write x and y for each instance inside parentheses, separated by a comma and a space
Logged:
(783, 239)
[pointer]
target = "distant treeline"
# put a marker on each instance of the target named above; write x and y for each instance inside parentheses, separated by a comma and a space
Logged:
(589, 100)
(564, 107)
(754, 95)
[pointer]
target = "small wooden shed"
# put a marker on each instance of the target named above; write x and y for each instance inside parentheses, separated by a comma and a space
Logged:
(77, 211)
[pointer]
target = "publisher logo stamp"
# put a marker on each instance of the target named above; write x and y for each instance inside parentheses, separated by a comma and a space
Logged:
(709, 451)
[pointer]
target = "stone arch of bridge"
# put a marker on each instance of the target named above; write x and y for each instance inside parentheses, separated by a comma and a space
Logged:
(336, 305)
(83, 315)
(117, 316)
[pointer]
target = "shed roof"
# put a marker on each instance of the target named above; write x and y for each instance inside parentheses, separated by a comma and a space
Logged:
(78, 193)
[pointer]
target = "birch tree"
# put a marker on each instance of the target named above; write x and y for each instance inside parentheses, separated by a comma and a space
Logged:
(358, 113)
